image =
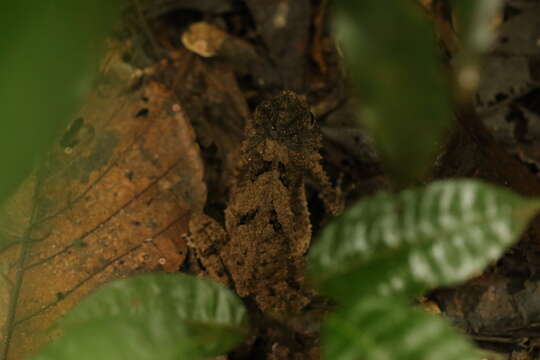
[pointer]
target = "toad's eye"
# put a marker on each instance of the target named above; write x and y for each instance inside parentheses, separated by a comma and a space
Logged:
(312, 122)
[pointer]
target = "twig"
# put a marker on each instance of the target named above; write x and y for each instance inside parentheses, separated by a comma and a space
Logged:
(146, 28)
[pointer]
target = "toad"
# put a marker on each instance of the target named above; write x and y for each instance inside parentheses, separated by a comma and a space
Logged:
(260, 249)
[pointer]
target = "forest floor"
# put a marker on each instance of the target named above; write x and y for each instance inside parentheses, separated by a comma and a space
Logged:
(163, 148)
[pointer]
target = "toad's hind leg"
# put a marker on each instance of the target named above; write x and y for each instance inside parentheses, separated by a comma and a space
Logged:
(207, 237)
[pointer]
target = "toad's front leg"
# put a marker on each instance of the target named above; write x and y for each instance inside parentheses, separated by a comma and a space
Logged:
(292, 211)
(332, 196)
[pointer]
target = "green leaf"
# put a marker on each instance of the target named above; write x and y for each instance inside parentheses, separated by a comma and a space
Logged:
(437, 235)
(475, 30)
(155, 338)
(476, 35)
(383, 329)
(155, 316)
(393, 59)
(48, 52)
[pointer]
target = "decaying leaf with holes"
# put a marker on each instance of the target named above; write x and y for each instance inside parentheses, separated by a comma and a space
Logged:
(108, 203)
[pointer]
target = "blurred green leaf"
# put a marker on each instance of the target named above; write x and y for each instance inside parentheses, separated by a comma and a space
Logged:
(155, 316)
(393, 59)
(48, 54)
(135, 339)
(418, 239)
(474, 26)
(476, 33)
(383, 329)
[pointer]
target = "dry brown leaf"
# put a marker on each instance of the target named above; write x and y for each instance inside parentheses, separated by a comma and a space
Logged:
(111, 201)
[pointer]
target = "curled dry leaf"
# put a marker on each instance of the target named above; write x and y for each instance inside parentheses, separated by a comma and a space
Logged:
(209, 41)
(111, 200)
(204, 39)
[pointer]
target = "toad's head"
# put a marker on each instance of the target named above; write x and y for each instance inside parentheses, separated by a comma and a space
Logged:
(287, 120)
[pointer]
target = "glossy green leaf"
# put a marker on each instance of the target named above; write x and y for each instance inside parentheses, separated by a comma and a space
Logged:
(152, 317)
(421, 238)
(394, 64)
(48, 52)
(384, 329)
